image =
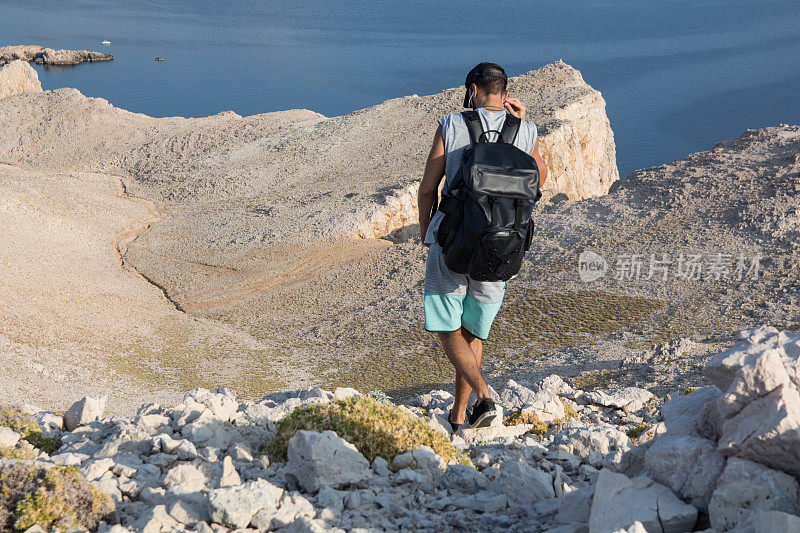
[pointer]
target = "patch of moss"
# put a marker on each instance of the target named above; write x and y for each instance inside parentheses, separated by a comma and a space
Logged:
(56, 498)
(374, 428)
(26, 426)
(635, 432)
(690, 390)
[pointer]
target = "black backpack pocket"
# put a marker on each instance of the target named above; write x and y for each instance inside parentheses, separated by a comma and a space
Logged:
(498, 254)
(453, 211)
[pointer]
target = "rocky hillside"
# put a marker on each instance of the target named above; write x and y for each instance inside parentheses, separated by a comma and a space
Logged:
(718, 458)
(247, 208)
(244, 249)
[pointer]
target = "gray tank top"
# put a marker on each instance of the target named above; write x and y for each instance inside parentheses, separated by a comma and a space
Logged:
(456, 138)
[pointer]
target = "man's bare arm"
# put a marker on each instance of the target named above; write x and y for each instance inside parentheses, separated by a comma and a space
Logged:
(429, 187)
(539, 163)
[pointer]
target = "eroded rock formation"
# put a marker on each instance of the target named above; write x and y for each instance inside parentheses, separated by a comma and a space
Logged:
(18, 77)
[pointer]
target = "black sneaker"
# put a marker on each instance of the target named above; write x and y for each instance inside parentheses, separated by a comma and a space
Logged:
(483, 413)
(455, 426)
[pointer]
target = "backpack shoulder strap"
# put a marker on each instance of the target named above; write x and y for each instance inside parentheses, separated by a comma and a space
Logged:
(510, 129)
(473, 125)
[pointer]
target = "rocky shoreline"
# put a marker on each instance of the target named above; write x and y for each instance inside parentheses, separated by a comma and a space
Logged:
(720, 458)
(47, 56)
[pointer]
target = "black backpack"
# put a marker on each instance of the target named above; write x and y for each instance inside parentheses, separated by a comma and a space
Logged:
(487, 225)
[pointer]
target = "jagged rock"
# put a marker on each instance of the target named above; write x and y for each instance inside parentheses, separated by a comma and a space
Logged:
(304, 524)
(464, 478)
(318, 459)
(682, 412)
(230, 477)
(18, 77)
(745, 488)
(8, 437)
(767, 431)
(186, 477)
(772, 522)
(689, 466)
(722, 368)
(381, 466)
(545, 405)
(630, 398)
(762, 375)
(523, 484)
(235, 507)
(582, 440)
(87, 409)
(556, 385)
(221, 401)
(290, 507)
(423, 457)
(619, 502)
(154, 520)
(482, 502)
(516, 396)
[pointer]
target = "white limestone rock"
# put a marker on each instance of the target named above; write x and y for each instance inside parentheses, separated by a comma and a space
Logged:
(619, 502)
(234, 507)
(18, 77)
(745, 488)
(682, 412)
(522, 484)
(318, 459)
(87, 409)
(689, 466)
(8, 437)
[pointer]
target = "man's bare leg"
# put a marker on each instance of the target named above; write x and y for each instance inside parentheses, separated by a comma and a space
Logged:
(465, 352)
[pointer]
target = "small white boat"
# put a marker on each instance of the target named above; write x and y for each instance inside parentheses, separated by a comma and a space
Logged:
(105, 42)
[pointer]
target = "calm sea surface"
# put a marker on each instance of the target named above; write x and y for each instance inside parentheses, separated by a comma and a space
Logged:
(676, 76)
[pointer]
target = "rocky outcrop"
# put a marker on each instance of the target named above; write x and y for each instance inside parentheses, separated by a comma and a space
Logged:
(48, 56)
(576, 143)
(18, 77)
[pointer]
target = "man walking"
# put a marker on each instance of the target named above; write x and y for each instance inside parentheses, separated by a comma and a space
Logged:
(457, 307)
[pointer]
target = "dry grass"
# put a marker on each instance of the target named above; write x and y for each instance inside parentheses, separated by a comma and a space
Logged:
(56, 498)
(527, 417)
(375, 428)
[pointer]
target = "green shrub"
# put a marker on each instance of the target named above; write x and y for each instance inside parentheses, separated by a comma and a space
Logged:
(26, 426)
(52, 498)
(635, 432)
(374, 428)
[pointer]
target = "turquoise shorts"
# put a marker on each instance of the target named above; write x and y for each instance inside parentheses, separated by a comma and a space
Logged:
(453, 301)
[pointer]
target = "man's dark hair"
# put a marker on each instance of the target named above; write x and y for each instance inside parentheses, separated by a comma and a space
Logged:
(490, 77)
(493, 80)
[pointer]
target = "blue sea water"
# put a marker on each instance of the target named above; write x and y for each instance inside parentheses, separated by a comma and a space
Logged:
(677, 76)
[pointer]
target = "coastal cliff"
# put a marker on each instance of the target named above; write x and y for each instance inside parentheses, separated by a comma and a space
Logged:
(18, 77)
